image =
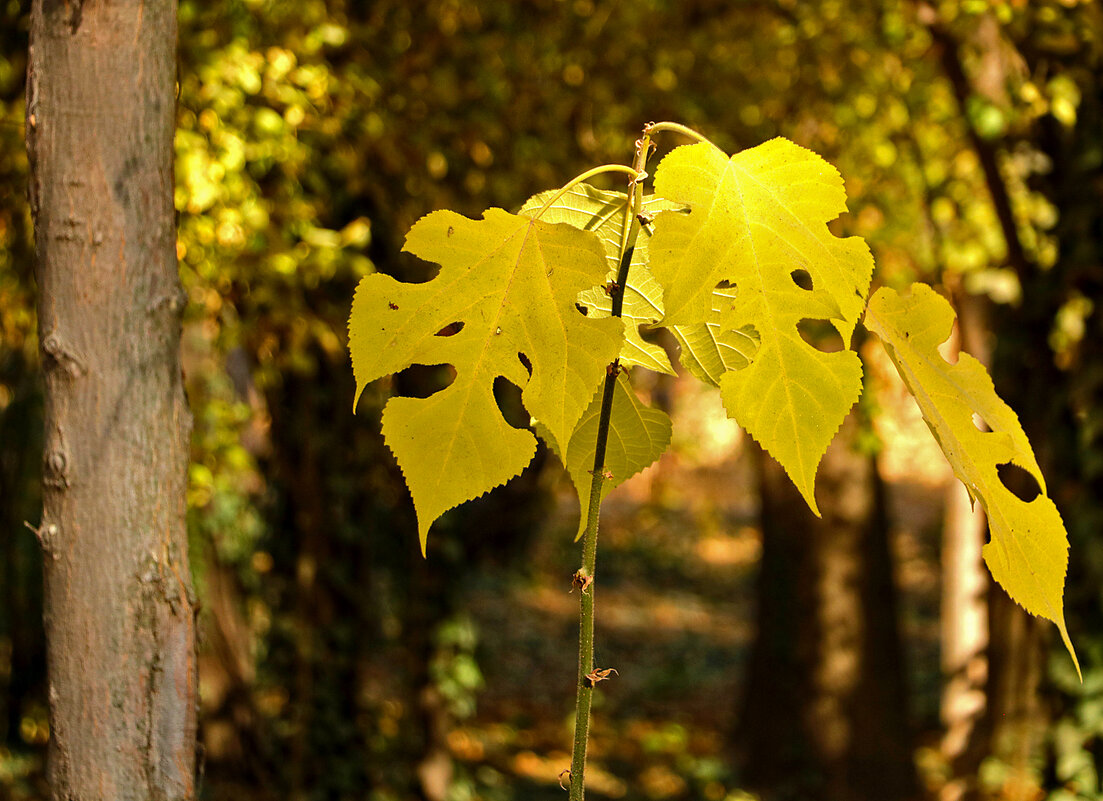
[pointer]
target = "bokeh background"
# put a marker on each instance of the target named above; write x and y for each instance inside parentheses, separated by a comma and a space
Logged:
(760, 650)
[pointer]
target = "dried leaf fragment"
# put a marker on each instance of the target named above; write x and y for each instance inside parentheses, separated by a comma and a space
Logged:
(580, 581)
(600, 674)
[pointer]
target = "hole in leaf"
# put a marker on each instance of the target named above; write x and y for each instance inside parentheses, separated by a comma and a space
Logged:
(451, 329)
(508, 396)
(410, 268)
(802, 278)
(584, 310)
(654, 335)
(980, 423)
(1021, 483)
(820, 334)
(725, 285)
(421, 381)
(525, 361)
(948, 350)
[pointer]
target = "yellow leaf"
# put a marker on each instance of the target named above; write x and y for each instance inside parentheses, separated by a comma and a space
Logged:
(1028, 552)
(638, 435)
(708, 350)
(591, 209)
(757, 223)
(509, 285)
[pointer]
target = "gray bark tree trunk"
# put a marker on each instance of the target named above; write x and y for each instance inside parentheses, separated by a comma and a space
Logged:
(119, 606)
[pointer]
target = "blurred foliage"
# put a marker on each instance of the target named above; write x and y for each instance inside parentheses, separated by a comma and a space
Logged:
(312, 134)
(23, 727)
(454, 670)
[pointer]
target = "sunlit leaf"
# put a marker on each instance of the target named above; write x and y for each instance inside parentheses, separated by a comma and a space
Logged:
(592, 209)
(708, 350)
(509, 285)
(638, 435)
(757, 225)
(1028, 552)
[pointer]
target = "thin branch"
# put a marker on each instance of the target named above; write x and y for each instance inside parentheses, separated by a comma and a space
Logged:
(950, 59)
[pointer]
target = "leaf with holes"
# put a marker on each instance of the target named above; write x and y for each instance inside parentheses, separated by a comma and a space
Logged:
(507, 289)
(592, 209)
(1028, 552)
(638, 435)
(757, 222)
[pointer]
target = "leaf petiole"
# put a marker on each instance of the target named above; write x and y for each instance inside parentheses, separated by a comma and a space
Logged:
(674, 127)
(580, 178)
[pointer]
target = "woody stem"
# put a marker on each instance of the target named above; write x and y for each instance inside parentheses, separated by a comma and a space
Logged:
(585, 689)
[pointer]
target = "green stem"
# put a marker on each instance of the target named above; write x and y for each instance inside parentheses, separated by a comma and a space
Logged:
(579, 179)
(586, 573)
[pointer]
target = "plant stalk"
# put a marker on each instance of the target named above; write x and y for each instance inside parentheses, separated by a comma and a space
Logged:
(675, 127)
(579, 179)
(586, 573)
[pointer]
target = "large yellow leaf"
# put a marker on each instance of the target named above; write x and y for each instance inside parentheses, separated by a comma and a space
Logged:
(757, 223)
(592, 209)
(638, 435)
(1028, 551)
(510, 285)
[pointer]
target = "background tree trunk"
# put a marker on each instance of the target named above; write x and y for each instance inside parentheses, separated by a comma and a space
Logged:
(119, 607)
(965, 587)
(828, 638)
(1028, 378)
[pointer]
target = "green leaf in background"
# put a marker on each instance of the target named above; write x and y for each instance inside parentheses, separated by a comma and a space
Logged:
(592, 209)
(638, 435)
(1028, 552)
(506, 290)
(757, 223)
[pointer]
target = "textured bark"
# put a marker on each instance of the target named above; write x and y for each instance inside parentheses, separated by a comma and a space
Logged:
(825, 712)
(119, 608)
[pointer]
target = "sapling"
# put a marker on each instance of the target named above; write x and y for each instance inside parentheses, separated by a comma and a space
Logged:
(732, 254)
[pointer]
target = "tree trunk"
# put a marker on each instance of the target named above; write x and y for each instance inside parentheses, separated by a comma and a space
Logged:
(965, 586)
(119, 607)
(824, 714)
(1027, 378)
(1017, 719)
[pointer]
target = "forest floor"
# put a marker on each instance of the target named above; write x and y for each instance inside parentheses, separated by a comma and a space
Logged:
(678, 555)
(678, 558)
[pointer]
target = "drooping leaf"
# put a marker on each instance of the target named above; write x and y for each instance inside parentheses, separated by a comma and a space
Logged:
(1028, 552)
(509, 285)
(602, 212)
(757, 223)
(638, 435)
